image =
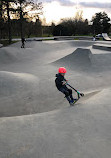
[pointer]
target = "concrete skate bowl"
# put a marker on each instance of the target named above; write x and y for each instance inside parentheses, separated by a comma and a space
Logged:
(6, 56)
(71, 43)
(82, 131)
(23, 94)
(74, 43)
(76, 132)
(80, 59)
(81, 43)
(28, 44)
(11, 55)
(17, 92)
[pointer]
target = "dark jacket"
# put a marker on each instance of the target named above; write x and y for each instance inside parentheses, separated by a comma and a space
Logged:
(23, 40)
(58, 81)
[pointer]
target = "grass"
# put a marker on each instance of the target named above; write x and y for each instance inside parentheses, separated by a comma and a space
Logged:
(6, 42)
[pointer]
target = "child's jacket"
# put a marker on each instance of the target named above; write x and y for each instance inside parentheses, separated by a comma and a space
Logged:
(59, 81)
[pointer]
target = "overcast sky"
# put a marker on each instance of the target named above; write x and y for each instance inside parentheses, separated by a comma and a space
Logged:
(54, 10)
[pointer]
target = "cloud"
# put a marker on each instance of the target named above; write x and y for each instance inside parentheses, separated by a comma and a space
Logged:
(62, 2)
(83, 3)
(66, 2)
(95, 5)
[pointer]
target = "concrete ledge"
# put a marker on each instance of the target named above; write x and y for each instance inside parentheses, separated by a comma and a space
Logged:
(39, 38)
(102, 47)
(72, 37)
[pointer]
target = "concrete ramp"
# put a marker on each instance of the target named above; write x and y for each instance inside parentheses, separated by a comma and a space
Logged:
(74, 132)
(102, 47)
(80, 58)
(87, 96)
(17, 91)
(106, 37)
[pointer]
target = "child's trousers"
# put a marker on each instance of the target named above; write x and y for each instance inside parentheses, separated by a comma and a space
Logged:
(68, 93)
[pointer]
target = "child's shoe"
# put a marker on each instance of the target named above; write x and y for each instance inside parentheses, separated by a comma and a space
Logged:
(73, 102)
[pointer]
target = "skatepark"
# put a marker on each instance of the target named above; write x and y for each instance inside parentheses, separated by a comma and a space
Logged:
(35, 118)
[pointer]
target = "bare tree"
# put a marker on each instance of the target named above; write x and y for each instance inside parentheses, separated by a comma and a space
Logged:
(6, 8)
(28, 9)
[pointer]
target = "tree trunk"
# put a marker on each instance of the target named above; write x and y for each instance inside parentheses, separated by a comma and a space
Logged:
(9, 24)
(0, 18)
(21, 20)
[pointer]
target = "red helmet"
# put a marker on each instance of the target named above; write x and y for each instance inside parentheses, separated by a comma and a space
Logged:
(62, 70)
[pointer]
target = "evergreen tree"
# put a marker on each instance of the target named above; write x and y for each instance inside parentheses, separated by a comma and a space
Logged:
(101, 23)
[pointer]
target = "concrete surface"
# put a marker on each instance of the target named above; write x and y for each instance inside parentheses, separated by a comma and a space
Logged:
(102, 46)
(35, 118)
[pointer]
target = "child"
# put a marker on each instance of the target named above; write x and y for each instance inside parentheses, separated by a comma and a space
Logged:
(60, 82)
(23, 42)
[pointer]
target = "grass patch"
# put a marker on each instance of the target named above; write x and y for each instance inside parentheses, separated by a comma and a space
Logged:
(76, 39)
(47, 39)
(6, 42)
